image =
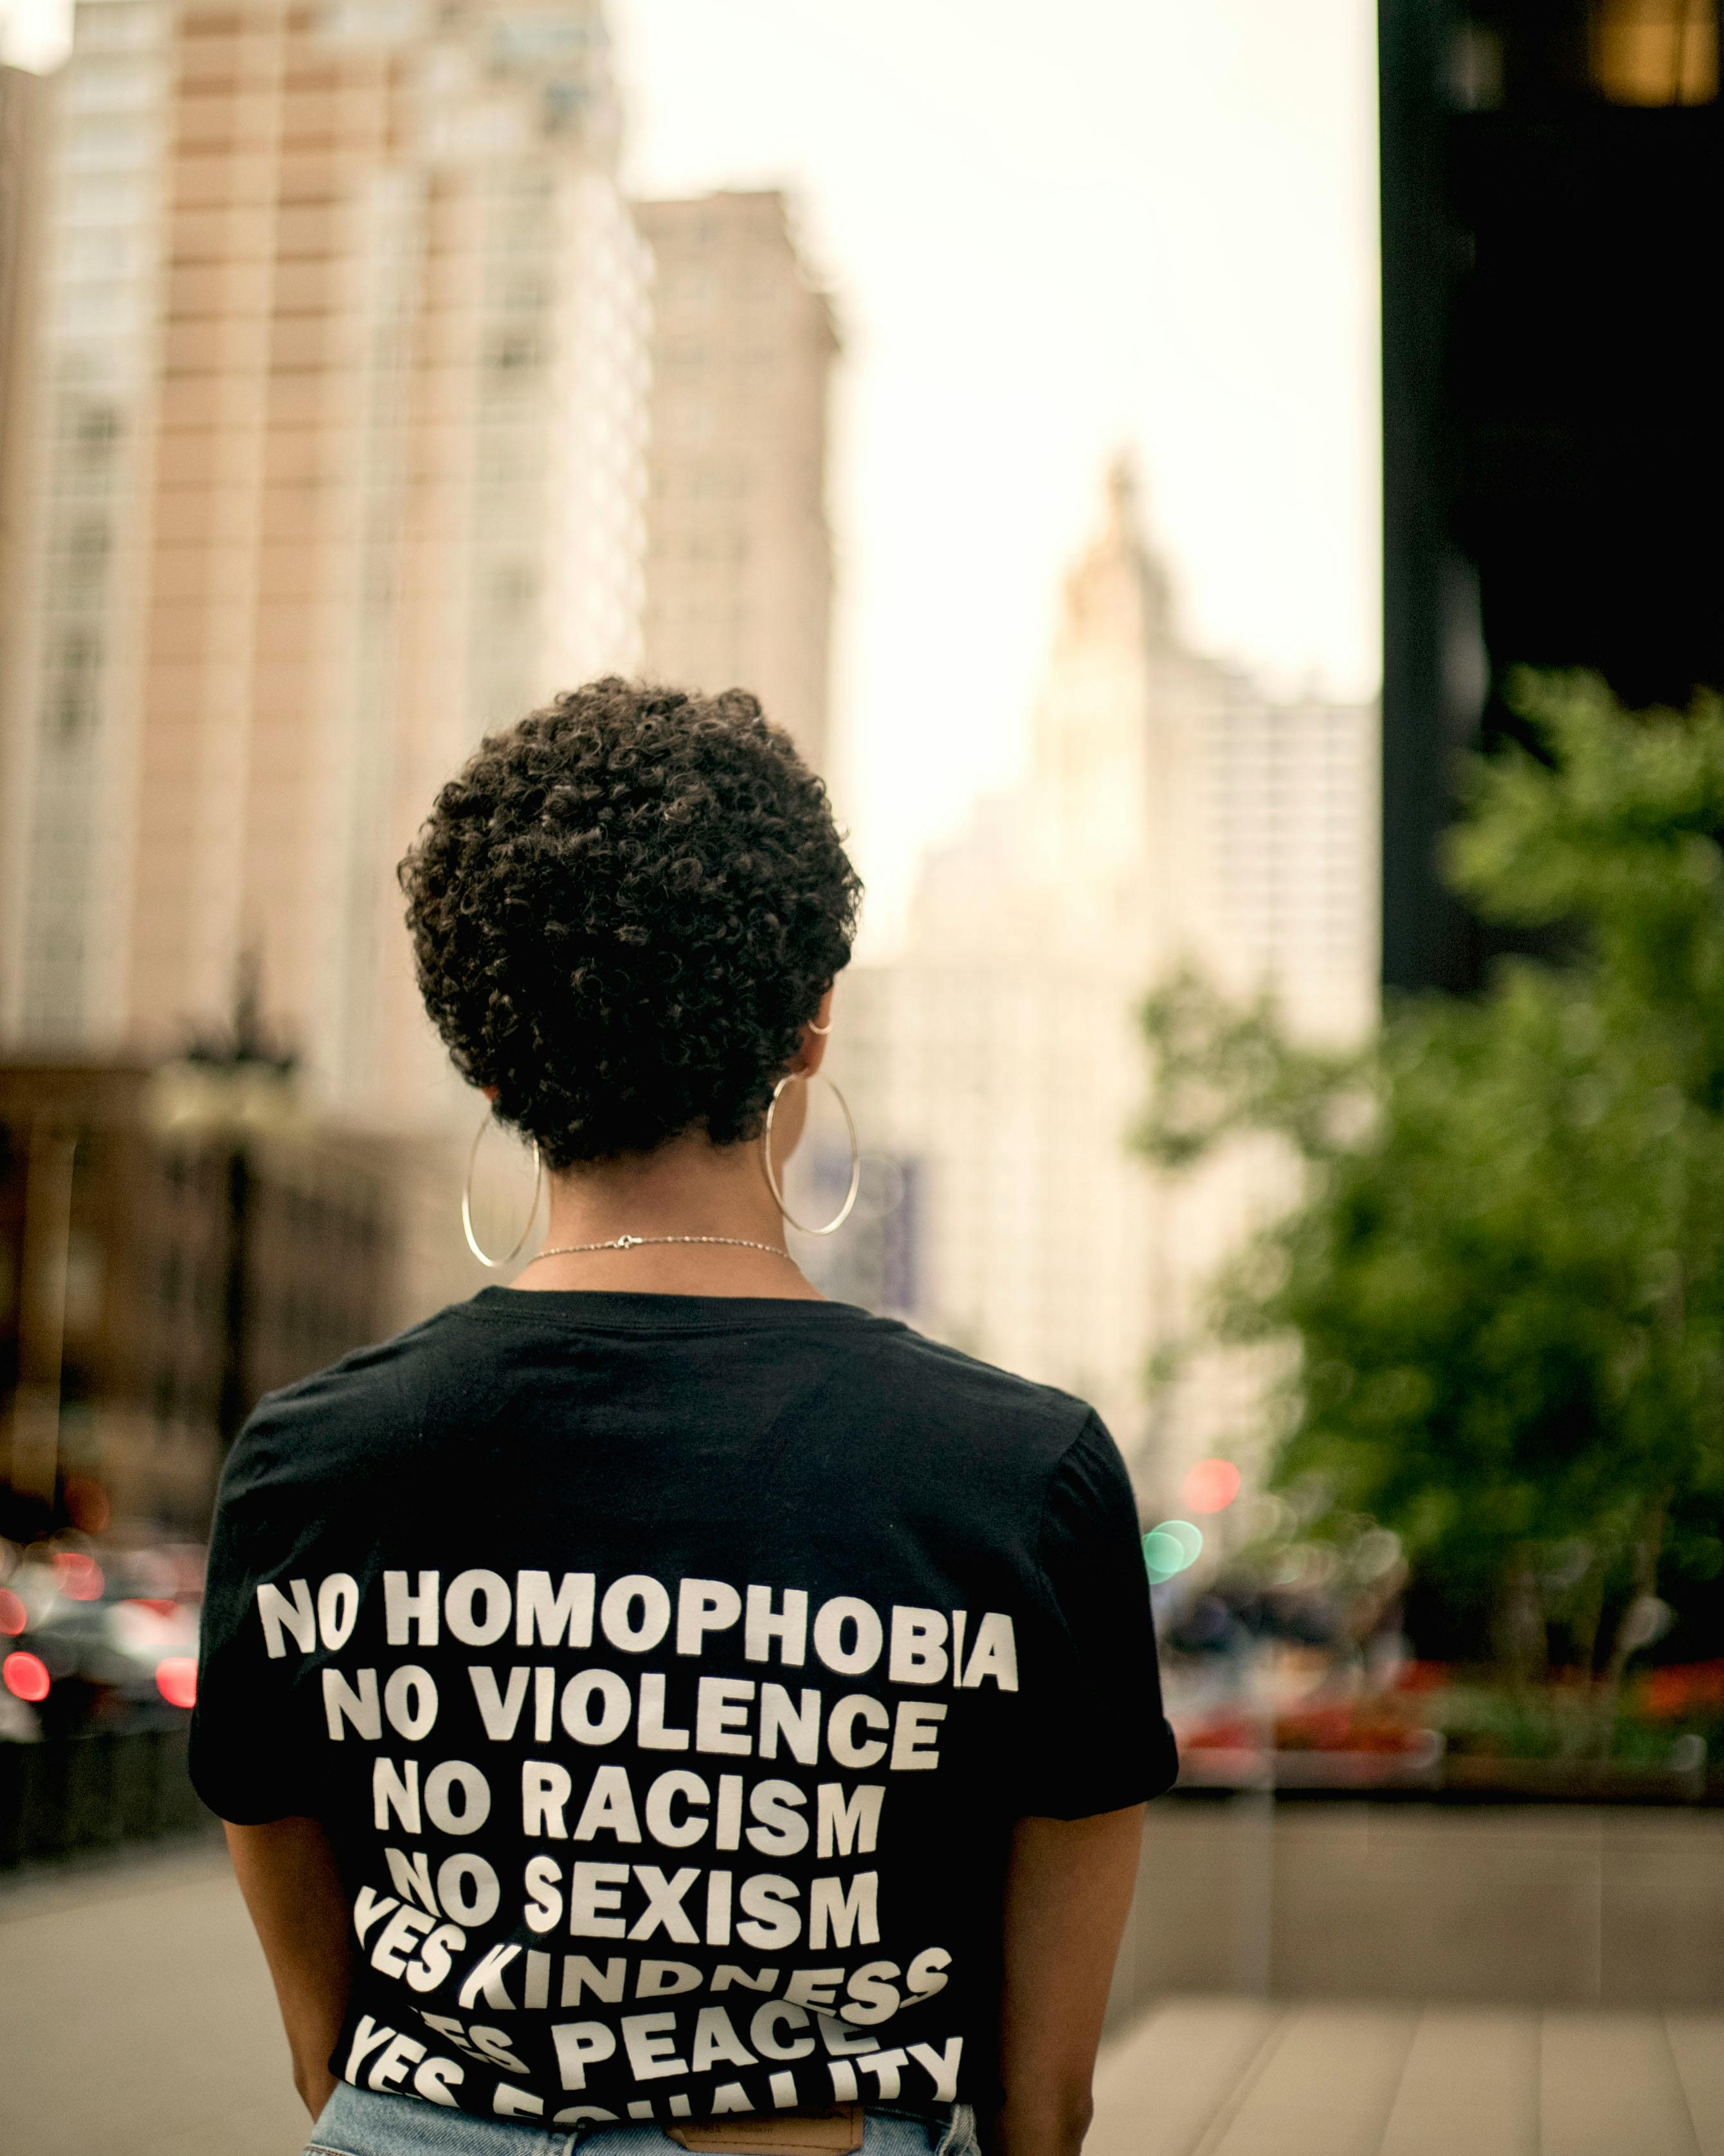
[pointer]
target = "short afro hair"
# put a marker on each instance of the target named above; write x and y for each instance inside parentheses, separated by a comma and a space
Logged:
(625, 912)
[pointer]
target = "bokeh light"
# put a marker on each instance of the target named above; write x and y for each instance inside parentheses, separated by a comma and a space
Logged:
(13, 1615)
(177, 1680)
(1211, 1486)
(79, 1577)
(25, 1676)
(1189, 1539)
(1170, 1547)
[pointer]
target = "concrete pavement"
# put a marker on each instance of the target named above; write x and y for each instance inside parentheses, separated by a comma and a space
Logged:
(135, 2015)
(1240, 2077)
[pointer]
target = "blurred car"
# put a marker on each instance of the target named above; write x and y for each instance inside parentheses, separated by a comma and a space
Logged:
(98, 1637)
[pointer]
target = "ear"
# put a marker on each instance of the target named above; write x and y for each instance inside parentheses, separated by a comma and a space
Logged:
(490, 1093)
(813, 1052)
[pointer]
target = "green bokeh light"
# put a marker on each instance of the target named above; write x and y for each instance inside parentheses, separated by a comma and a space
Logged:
(1170, 1547)
(1189, 1539)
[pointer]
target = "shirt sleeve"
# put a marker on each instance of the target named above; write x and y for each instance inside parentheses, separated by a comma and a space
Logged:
(248, 1757)
(1102, 1740)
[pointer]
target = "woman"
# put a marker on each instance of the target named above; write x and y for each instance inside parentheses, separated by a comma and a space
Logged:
(651, 1699)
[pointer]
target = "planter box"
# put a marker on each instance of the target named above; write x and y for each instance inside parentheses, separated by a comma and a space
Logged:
(1570, 1781)
(1525, 1904)
(1210, 1769)
(1204, 1767)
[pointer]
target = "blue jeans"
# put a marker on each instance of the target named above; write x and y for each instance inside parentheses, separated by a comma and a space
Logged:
(356, 2123)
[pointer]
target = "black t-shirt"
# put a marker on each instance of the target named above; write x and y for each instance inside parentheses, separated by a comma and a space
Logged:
(668, 1673)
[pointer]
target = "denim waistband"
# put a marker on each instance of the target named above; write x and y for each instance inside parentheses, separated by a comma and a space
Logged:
(364, 2122)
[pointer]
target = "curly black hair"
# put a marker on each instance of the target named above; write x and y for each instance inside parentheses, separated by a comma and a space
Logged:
(624, 912)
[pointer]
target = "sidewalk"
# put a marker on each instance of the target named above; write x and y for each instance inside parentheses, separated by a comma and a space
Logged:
(1237, 2077)
(138, 2017)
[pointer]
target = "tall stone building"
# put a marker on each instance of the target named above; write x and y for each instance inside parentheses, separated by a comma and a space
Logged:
(1172, 815)
(23, 115)
(345, 378)
(739, 560)
(24, 106)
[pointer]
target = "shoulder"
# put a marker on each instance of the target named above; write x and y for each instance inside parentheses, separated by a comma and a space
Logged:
(971, 1401)
(340, 1420)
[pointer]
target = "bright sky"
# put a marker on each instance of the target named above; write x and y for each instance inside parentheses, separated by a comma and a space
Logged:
(1049, 231)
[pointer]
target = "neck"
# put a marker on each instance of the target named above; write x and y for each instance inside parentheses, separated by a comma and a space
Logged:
(685, 1187)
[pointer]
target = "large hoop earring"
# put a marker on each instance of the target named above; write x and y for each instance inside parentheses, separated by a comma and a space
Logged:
(842, 1214)
(490, 1264)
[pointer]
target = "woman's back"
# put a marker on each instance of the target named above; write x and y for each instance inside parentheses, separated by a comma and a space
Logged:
(652, 1692)
(668, 1673)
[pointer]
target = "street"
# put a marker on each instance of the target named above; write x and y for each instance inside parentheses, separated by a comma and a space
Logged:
(139, 2016)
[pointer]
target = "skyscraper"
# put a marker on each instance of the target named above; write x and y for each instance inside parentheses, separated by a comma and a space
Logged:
(23, 130)
(1172, 815)
(739, 561)
(346, 391)
(1553, 441)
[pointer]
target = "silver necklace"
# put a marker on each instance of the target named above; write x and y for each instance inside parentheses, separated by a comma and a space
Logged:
(634, 1243)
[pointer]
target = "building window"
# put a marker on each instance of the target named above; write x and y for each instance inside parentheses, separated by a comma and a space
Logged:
(86, 553)
(73, 701)
(562, 104)
(1655, 52)
(514, 588)
(95, 427)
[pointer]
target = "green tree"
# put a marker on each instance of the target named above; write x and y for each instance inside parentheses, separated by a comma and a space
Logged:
(1506, 1280)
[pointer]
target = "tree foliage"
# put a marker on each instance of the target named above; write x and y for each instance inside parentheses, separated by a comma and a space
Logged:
(1505, 1280)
